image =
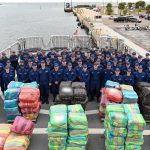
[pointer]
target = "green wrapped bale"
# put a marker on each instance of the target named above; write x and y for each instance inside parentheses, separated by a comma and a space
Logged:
(136, 122)
(75, 108)
(113, 147)
(32, 84)
(58, 120)
(115, 131)
(133, 141)
(131, 108)
(58, 109)
(133, 147)
(114, 108)
(77, 121)
(77, 132)
(117, 119)
(69, 147)
(77, 141)
(51, 147)
(57, 141)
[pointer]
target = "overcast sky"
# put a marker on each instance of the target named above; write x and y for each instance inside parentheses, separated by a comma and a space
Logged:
(106, 1)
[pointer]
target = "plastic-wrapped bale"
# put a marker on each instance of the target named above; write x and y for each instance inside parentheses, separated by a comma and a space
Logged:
(112, 84)
(62, 101)
(11, 93)
(114, 95)
(129, 96)
(131, 108)
(11, 103)
(65, 84)
(126, 87)
(58, 109)
(66, 93)
(75, 108)
(78, 85)
(115, 124)
(78, 131)
(57, 127)
(14, 84)
(32, 84)
(17, 142)
(4, 133)
(79, 94)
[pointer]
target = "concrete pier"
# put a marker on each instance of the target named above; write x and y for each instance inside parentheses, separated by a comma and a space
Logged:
(87, 18)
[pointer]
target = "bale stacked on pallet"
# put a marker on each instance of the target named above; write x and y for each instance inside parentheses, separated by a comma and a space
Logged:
(78, 128)
(135, 125)
(57, 127)
(143, 90)
(4, 133)
(29, 102)
(80, 94)
(19, 138)
(11, 101)
(115, 127)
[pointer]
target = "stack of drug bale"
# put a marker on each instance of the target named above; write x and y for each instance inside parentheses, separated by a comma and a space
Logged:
(19, 138)
(29, 101)
(80, 94)
(111, 94)
(57, 127)
(65, 93)
(129, 95)
(115, 127)
(4, 133)
(135, 125)
(143, 91)
(11, 100)
(78, 128)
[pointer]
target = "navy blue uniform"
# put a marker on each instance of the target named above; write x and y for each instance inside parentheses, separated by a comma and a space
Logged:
(23, 75)
(1, 76)
(148, 75)
(43, 81)
(140, 77)
(85, 77)
(107, 75)
(78, 70)
(33, 75)
(55, 76)
(95, 82)
(69, 75)
(14, 61)
(118, 79)
(7, 78)
(129, 80)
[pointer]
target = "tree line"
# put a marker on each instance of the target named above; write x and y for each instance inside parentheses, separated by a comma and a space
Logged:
(128, 7)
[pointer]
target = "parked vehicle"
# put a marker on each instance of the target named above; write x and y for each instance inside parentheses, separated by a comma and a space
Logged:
(112, 17)
(121, 19)
(133, 19)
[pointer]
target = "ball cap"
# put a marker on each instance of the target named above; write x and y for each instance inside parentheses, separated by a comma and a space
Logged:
(108, 64)
(117, 69)
(129, 70)
(84, 66)
(34, 64)
(42, 61)
(140, 67)
(147, 54)
(139, 56)
(133, 53)
(56, 65)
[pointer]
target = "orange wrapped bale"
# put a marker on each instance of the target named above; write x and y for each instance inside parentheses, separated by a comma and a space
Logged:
(29, 94)
(28, 105)
(114, 95)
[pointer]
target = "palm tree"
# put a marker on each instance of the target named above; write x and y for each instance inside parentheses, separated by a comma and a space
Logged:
(121, 6)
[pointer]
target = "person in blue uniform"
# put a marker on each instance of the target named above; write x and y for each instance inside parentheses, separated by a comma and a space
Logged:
(148, 74)
(8, 76)
(104, 62)
(36, 60)
(49, 64)
(73, 61)
(95, 82)
(22, 73)
(14, 59)
(145, 61)
(65, 51)
(139, 61)
(106, 51)
(29, 65)
(92, 51)
(30, 55)
(83, 57)
(140, 76)
(1, 77)
(126, 67)
(11, 68)
(117, 77)
(43, 79)
(56, 77)
(108, 72)
(126, 54)
(43, 55)
(133, 59)
(115, 64)
(33, 74)
(78, 69)
(69, 73)
(4, 58)
(85, 77)
(58, 60)
(113, 56)
(128, 79)
(78, 56)
(63, 66)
